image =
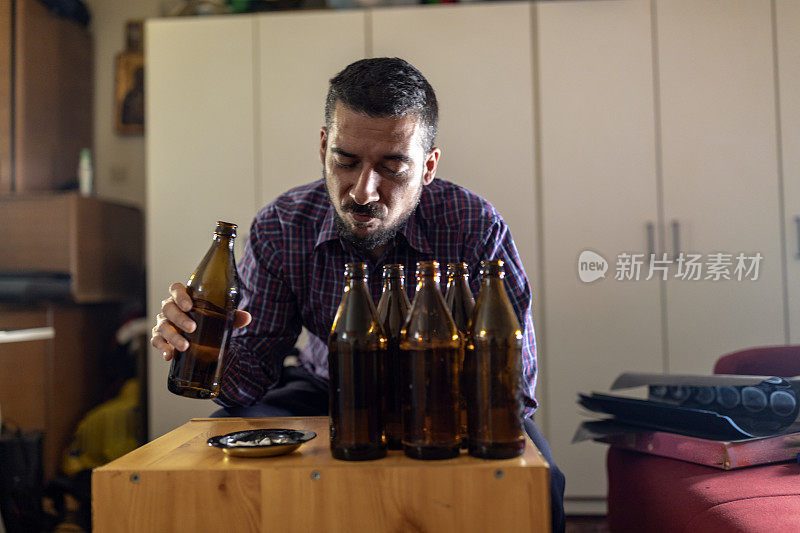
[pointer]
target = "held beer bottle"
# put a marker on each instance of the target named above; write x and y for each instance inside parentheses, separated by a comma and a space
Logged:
(214, 289)
(493, 369)
(432, 348)
(356, 355)
(392, 311)
(458, 298)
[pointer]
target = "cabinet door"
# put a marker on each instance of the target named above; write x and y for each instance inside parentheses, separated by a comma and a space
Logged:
(479, 61)
(201, 163)
(598, 194)
(788, 39)
(297, 53)
(720, 178)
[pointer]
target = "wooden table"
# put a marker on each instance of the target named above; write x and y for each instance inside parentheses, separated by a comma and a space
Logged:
(178, 483)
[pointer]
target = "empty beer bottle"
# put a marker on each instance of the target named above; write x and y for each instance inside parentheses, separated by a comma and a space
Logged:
(214, 289)
(460, 303)
(392, 311)
(493, 371)
(356, 354)
(432, 349)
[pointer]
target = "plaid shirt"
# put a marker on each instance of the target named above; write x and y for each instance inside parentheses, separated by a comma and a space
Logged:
(292, 275)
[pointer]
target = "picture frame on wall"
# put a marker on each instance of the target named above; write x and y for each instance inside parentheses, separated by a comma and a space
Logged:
(129, 84)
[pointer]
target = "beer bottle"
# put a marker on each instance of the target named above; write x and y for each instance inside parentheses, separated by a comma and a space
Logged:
(214, 289)
(493, 369)
(356, 354)
(458, 297)
(392, 311)
(432, 349)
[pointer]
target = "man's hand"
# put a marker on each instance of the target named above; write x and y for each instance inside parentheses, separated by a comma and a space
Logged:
(172, 320)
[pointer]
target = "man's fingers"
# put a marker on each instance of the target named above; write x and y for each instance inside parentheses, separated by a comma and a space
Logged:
(174, 314)
(241, 319)
(181, 298)
(161, 345)
(165, 329)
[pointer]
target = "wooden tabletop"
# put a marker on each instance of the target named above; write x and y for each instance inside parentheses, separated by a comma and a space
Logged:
(186, 447)
(179, 483)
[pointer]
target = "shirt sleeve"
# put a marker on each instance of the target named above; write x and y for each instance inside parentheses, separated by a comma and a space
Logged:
(495, 242)
(256, 352)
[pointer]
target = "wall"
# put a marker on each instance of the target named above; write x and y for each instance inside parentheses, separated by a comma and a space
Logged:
(119, 160)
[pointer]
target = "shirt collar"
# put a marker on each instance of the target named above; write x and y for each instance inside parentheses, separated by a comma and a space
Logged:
(413, 233)
(327, 231)
(411, 230)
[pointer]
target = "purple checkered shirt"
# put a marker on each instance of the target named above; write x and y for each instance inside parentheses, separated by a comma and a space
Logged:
(292, 275)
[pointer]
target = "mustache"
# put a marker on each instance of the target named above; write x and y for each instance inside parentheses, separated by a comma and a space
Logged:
(372, 209)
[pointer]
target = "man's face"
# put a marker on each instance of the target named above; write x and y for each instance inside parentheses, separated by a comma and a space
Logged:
(374, 170)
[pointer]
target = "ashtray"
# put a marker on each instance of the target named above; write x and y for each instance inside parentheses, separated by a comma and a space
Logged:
(261, 442)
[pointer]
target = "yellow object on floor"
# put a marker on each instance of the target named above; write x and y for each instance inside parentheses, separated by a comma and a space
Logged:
(106, 432)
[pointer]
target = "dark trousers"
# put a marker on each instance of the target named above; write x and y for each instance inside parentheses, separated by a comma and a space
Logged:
(301, 394)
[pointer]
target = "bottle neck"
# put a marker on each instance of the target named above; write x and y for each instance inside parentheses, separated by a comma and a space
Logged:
(223, 241)
(427, 281)
(355, 282)
(493, 281)
(457, 280)
(493, 276)
(393, 284)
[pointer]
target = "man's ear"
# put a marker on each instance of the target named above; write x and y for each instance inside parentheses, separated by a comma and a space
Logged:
(431, 164)
(323, 143)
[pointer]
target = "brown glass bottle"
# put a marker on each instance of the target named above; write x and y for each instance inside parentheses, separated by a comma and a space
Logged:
(392, 312)
(356, 355)
(432, 349)
(492, 371)
(460, 303)
(214, 289)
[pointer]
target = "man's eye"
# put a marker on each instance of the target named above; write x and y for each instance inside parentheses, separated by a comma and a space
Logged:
(342, 164)
(398, 173)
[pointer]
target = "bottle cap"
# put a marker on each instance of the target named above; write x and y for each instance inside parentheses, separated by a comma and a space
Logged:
(457, 268)
(428, 268)
(226, 229)
(355, 270)
(494, 267)
(393, 271)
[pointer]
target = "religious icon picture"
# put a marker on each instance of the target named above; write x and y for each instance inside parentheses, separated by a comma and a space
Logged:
(129, 97)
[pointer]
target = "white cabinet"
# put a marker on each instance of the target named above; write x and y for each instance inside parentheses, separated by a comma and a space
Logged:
(479, 60)
(200, 164)
(297, 54)
(599, 193)
(667, 129)
(720, 174)
(788, 53)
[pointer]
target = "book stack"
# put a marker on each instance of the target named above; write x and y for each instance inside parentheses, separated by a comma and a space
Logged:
(722, 421)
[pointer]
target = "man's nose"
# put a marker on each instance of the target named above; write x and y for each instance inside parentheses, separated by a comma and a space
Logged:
(366, 188)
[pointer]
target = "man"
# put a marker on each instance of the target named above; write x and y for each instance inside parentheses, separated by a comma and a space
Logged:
(378, 202)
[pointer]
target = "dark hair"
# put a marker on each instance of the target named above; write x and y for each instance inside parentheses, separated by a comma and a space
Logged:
(385, 87)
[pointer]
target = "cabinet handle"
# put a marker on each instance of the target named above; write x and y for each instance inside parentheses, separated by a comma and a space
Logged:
(676, 237)
(651, 239)
(797, 221)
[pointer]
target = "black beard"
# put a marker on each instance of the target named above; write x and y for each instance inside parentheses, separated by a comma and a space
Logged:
(377, 239)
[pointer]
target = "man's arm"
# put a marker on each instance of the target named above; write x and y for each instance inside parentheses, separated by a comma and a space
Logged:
(256, 352)
(495, 242)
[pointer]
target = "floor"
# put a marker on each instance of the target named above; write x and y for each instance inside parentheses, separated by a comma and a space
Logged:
(586, 524)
